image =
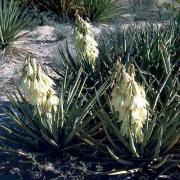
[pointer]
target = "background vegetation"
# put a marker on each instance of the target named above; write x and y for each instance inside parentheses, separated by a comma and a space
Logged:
(92, 9)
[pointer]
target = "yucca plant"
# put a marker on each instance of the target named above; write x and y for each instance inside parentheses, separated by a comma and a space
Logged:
(160, 48)
(160, 130)
(34, 131)
(96, 74)
(12, 21)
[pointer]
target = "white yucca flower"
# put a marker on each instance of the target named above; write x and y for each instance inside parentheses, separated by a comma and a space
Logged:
(38, 87)
(129, 100)
(51, 102)
(84, 40)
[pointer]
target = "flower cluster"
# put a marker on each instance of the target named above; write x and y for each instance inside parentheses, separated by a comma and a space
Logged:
(84, 40)
(38, 87)
(129, 100)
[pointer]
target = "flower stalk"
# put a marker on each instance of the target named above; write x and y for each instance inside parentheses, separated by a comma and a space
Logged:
(129, 100)
(84, 40)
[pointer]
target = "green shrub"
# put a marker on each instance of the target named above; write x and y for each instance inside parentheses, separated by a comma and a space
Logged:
(12, 21)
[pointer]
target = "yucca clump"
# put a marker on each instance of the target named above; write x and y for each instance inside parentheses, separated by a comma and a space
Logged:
(38, 88)
(129, 100)
(84, 40)
(13, 19)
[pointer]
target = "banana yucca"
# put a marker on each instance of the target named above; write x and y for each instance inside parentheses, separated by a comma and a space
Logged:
(129, 100)
(38, 87)
(84, 40)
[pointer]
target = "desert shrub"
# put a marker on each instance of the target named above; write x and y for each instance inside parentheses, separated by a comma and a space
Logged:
(92, 9)
(12, 20)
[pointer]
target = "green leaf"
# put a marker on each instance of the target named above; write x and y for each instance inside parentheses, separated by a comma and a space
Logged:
(121, 161)
(159, 143)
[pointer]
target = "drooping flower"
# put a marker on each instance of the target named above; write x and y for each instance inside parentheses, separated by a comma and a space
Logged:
(129, 100)
(38, 87)
(84, 40)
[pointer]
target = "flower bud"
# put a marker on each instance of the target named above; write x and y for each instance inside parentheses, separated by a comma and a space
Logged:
(29, 70)
(34, 64)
